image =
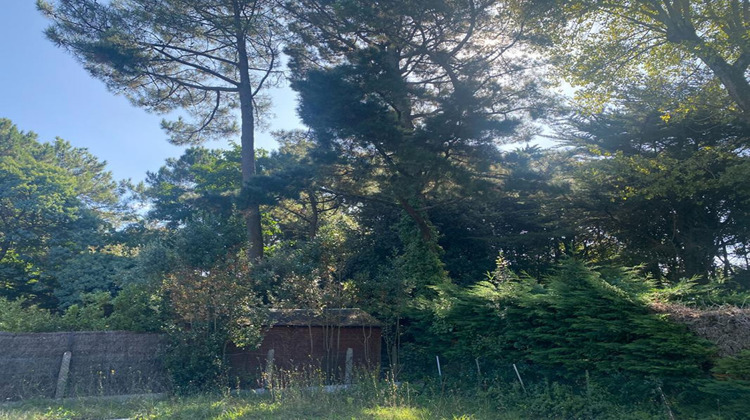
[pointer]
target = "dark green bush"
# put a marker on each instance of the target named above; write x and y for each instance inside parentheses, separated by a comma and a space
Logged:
(194, 359)
(728, 392)
(573, 322)
(208, 309)
(734, 367)
(91, 315)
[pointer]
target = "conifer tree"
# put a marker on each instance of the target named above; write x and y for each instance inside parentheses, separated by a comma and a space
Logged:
(206, 58)
(408, 99)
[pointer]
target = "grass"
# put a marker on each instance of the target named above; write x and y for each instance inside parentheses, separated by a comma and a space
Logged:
(376, 400)
(315, 405)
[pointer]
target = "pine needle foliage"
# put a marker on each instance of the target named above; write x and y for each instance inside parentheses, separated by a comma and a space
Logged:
(573, 322)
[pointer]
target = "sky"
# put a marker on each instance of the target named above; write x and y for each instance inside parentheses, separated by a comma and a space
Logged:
(45, 90)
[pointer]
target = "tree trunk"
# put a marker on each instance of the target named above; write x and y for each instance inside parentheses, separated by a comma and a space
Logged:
(680, 30)
(313, 214)
(247, 112)
(424, 228)
(733, 80)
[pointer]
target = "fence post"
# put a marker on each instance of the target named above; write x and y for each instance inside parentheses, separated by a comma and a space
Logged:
(269, 369)
(349, 366)
(62, 377)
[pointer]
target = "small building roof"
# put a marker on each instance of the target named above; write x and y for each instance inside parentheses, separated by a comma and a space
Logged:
(337, 317)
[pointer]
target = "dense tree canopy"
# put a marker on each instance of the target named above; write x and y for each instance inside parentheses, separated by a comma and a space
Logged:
(697, 52)
(410, 96)
(671, 195)
(402, 197)
(57, 205)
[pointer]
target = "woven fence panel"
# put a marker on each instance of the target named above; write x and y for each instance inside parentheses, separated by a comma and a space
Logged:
(102, 363)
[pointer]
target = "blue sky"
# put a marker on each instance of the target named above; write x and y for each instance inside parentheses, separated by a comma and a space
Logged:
(46, 91)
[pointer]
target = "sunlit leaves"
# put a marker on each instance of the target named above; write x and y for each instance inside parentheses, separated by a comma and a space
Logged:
(610, 47)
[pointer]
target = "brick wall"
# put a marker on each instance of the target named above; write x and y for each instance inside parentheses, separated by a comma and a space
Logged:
(314, 348)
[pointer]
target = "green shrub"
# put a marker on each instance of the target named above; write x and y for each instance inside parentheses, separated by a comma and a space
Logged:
(728, 391)
(717, 291)
(194, 359)
(16, 316)
(91, 315)
(572, 322)
(208, 309)
(734, 367)
(133, 309)
(137, 308)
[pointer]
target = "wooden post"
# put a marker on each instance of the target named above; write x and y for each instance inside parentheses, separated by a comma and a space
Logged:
(269, 369)
(62, 377)
(349, 366)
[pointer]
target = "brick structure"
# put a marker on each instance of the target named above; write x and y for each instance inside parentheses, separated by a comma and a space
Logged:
(309, 344)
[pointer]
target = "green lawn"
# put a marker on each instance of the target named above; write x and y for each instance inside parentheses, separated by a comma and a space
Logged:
(377, 401)
(309, 406)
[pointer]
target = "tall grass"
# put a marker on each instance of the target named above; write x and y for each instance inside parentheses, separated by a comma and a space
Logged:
(369, 399)
(305, 397)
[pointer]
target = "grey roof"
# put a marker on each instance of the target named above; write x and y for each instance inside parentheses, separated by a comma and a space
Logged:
(339, 317)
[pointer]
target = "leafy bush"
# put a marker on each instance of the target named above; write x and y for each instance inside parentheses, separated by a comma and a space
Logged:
(717, 291)
(91, 315)
(209, 308)
(137, 308)
(572, 322)
(194, 359)
(15, 316)
(728, 391)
